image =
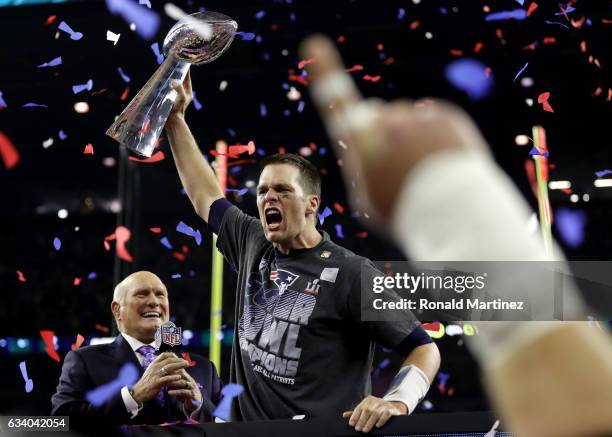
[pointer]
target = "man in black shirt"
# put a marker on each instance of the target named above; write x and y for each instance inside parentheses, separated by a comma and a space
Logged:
(301, 346)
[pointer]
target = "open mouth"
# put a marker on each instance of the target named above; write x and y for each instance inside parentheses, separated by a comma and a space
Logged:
(274, 218)
(151, 315)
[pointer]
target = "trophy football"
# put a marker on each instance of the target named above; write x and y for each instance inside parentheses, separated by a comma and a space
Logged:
(141, 122)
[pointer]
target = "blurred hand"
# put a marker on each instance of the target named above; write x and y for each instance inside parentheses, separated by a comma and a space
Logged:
(162, 372)
(373, 411)
(187, 391)
(385, 141)
(183, 99)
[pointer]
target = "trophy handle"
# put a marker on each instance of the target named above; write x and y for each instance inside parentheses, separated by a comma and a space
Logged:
(141, 122)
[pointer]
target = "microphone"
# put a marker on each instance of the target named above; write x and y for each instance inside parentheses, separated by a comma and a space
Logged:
(168, 338)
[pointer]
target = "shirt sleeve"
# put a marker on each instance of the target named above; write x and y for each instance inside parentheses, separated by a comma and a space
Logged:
(403, 333)
(131, 405)
(235, 230)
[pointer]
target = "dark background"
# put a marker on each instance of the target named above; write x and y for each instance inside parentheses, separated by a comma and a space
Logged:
(257, 72)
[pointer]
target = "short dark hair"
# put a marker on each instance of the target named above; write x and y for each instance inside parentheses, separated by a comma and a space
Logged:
(310, 179)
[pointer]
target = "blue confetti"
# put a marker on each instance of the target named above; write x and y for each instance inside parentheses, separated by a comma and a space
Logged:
(535, 152)
(602, 173)
(2, 102)
(176, 276)
(229, 392)
(401, 13)
(146, 20)
(79, 88)
(570, 225)
(196, 102)
(34, 105)
(124, 76)
(63, 26)
(339, 232)
(52, 63)
(92, 275)
(520, 2)
(128, 375)
(516, 14)
(556, 22)
(469, 75)
(188, 230)
(57, 243)
(246, 36)
(520, 72)
(263, 111)
(62, 135)
(158, 54)
(166, 242)
(301, 105)
(565, 10)
(326, 213)
(259, 15)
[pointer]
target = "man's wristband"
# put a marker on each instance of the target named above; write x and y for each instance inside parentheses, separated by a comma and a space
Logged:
(409, 386)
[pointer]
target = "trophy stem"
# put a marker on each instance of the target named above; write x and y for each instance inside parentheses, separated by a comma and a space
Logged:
(142, 121)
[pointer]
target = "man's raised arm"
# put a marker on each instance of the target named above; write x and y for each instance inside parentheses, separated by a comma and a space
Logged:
(197, 176)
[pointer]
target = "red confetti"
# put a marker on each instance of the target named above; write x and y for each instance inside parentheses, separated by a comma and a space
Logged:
(355, 67)
(281, 150)
(371, 78)
(159, 156)
(478, 47)
(415, 24)
(51, 19)
(296, 78)
(107, 246)
(79, 341)
(389, 61)
(47, 337)
(549, 40)
(76, 282)
(363, 234)
(543, 99)
(456, 52)
(609, 95)
(125, 94)
(531, 46)
(89, 150)
(532, 7)
(339, 208)
(179, 256)
(102, 328)
(500, 35)
(578, 23)
(187, 358)
(488, 71)
(380, 47)
(9, 153)
(341, 39)
(122, 235)
(155, 230)
(312, 146)
(583, 47)
(305, 62)
(598, 91)
(185, 248)
(20, 276)
(431, 326)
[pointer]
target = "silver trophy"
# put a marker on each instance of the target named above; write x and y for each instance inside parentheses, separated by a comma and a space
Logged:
(141, 122)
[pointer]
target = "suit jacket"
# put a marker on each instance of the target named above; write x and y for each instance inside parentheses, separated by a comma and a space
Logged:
(93, 366)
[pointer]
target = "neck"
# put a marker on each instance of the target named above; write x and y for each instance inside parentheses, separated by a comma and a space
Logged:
(308, 239)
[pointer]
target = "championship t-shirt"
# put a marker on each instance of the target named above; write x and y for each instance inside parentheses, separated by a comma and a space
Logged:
(300, 346)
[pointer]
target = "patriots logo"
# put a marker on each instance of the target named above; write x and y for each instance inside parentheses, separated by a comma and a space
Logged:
(283, 279)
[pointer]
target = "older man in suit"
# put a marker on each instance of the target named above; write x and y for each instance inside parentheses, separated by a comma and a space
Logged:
(169, 389)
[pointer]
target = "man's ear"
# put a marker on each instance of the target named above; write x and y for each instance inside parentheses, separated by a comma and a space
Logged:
(313, 204)
(115, 307)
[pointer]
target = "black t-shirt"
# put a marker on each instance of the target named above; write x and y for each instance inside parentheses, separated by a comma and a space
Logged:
(300, 347)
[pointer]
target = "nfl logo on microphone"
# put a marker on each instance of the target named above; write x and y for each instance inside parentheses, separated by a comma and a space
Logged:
(171, 335)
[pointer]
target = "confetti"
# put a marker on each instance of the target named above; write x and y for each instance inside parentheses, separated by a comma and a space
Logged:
(20, 276)
(122, 235)
(102, 328)
(188, 230)
(52, 63)
(187, 358)
(34, 105)
(543, 99)
(166, 242)
(63, 26)
(602, 173)
(240, 192)
(86, 86)
(155, 230)
(520, 72)
(263, 111)
(76, 282)
(196, 103)
(339, 232)
(57, 243)
(128, 375)
(113, 37)
(47, 337)
(570, 224)
(146, 20)
(124, 76)
(159, 55)
(470, 76)
(516, 14)
(229, 392)
(246, 36)
(62, 135)
(92, 275)
(10, 155)
(47, 143)
(532, 7)
(401, 13)
(326, 213)
(89, 150)
(29, 384)
(158, 156)
(176, 276)
(79, 342)
(2, 102)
